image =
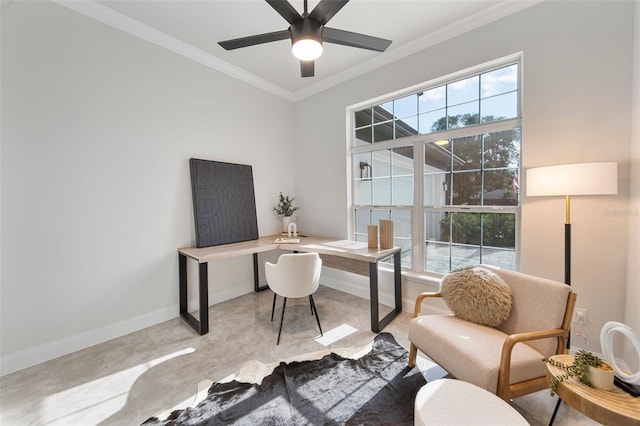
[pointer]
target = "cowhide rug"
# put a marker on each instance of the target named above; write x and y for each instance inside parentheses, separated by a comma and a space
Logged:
(377, 388)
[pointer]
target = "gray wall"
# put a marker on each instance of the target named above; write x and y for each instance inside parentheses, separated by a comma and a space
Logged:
(97, 130)
(576, 108)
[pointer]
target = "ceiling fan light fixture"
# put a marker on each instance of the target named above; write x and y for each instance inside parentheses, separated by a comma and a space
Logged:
(307, 49)
(306, 39)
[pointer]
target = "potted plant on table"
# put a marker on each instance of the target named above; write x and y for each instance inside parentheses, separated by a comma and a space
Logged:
(587, 367)
(286, 209)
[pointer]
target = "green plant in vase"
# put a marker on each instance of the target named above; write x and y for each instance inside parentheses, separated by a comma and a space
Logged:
(285, 206)
(580, 369)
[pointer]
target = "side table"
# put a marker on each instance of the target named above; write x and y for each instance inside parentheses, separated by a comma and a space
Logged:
(614, 407)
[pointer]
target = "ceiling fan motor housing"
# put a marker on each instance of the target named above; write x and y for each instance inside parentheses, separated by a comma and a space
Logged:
(306, 28)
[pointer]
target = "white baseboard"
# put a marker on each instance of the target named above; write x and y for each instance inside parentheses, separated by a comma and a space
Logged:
(38, 354)
(47, 351)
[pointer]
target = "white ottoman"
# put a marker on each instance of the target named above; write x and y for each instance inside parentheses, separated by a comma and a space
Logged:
(454, 402)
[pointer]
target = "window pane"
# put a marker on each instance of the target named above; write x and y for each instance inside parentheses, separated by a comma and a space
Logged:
(432, 99)
(435, 189)
(499, 245)
(500, 81)
(436, 184)
(465, 238)
(383, 131)
(466, 188)
(406, 127)
(437, 254)
(467, 153)
(434, 121)
(361, 172)
(402, 235)
(463, 115)
(383, 112)
(502, 149)
(499, 107)
(382, 191)
(362, 192)
(362, 117)
(402, 176)
(463, 91)
(362, 217)
(364, 136)
(381, 163)
(407, 106)
(500, 188)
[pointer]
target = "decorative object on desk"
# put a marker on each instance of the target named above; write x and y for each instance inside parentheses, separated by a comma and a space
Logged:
(606, 343)
(286, 209)
(224, 203)
(316, 392)
(587, 367)
(386, 234)
(372, 236)
(292, 230)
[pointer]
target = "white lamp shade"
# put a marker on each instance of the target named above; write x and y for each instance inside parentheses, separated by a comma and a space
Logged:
(573, 179)
(307, 49)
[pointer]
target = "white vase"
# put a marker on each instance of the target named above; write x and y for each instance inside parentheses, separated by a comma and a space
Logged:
(286, 220)
(601, 379)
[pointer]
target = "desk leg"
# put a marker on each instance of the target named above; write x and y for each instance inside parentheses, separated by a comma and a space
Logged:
(202, 326)
(377, 325)
(373, 296)
(256, 276)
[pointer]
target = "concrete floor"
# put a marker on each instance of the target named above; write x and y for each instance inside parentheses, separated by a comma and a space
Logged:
(129, 379)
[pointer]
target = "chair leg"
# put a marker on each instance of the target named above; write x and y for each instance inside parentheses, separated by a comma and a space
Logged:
(314, 309)
(413, 352)
(273, 307)
(284, 305)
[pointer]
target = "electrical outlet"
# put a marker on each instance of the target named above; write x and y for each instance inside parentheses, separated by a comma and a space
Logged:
(580, 316)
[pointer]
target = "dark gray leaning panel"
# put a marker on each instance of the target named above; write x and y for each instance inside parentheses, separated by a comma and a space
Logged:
(224, 202)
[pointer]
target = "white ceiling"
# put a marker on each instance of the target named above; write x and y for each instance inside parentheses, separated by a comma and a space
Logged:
(193, 27)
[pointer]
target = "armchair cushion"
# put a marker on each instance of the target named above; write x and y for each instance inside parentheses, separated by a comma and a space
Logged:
(477, 295)
(473, 351)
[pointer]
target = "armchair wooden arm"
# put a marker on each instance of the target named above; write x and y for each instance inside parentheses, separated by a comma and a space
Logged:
(417, 310)
(504, 390)
(507, 391)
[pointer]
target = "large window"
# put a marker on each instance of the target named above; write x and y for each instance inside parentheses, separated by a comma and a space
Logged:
(443, 162)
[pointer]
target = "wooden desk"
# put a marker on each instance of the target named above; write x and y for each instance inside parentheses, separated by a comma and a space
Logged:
(345, 255)
(614, 407)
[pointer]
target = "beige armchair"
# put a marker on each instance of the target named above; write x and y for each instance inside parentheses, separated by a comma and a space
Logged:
(506, 360)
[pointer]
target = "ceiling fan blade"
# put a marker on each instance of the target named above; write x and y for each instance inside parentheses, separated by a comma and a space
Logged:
(306, 68)
(284, 8)
(326, 9)
(237, 43)
(347, 38)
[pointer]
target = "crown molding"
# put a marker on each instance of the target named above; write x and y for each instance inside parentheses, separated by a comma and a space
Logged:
(487, 16)
(106, 15)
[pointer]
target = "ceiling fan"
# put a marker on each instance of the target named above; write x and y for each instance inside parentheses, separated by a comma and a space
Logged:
(307, 33)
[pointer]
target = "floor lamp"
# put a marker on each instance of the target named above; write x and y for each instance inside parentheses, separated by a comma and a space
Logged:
(569, 180)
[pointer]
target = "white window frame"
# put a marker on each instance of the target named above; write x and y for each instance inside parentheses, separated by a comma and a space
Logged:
(418, 208)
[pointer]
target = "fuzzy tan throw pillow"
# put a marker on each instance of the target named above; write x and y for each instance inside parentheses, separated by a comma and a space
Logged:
(477, 295)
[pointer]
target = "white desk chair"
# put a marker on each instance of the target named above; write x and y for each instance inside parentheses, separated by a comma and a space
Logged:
(295, 275)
